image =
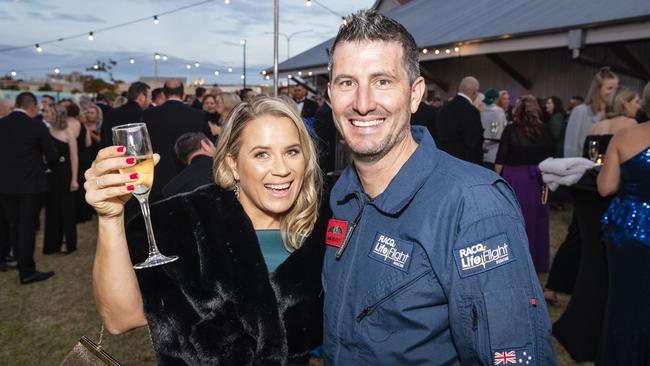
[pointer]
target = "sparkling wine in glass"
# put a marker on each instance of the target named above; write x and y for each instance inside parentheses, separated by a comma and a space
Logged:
(593, 150)
(135, 138)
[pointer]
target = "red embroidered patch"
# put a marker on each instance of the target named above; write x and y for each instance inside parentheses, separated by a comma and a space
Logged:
(335, 234)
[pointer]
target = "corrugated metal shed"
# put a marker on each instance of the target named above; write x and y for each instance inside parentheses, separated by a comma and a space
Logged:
(436, 23)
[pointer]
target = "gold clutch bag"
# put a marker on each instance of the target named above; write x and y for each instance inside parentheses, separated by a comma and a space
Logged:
(88, 353)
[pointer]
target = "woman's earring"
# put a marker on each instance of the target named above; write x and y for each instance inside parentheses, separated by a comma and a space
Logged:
(237, 191)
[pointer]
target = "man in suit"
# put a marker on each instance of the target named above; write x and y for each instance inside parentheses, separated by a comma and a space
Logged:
(327, 138)
(131, 112)
(198, 94)
(196, 152)
(166, 124)
(458, 130)
(157, 97)
(102, 102)
(306, 107)
(426, 115)
(23, 143)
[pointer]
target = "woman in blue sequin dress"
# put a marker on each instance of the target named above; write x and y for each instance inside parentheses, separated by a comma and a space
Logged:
(626, 227)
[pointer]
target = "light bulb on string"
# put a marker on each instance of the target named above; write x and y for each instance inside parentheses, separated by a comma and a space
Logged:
(456, 49)
(131, 61)
(188, 66)
(310, 73)
(164, 57)
(437, 52)
(230, 69)
(13, 72)
(226, 2)
(57, 71)
(299, 73)
(263, 72)
(196, 64)
(216, 73)
(156, 56)
(155, 20)
(425, 51)
(447, 51)
(307, 2)
(91, 36)
(289, 76)
(242, 76)
(96, 67)
(38, 48)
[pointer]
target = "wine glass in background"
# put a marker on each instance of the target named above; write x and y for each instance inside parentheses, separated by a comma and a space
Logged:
(593, 150)
(135, 138)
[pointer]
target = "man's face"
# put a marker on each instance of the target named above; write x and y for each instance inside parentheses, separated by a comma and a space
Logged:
(299, 93)
(46, 103)
(372, 99)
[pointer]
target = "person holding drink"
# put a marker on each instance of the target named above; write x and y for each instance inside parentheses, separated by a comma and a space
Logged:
(246, 287)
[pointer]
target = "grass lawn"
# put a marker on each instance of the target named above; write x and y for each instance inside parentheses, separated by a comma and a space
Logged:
(41, 322)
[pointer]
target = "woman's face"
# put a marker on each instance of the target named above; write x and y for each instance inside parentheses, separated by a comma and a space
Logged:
(219, 105)
(270, 168)
(550, 106)
(209, 105)
(48, 114)
(632, 107)
(91, 115)
(607, 88)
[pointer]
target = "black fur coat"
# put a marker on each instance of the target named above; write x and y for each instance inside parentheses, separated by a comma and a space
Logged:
(217, 304)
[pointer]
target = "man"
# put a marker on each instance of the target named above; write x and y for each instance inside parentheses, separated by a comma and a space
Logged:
(574, 101)
(246, 95)
(131, 112)
(157, 97)
(167, 123)
(504, 103)
(306, 107)
(5, 107)
(23, 143)
(426, 116)
(196, 152)
(102, 102)
(458, 128)
(427, 260)
(326, 137)
(198, 97)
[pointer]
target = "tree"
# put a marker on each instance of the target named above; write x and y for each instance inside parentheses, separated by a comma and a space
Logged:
(103, 66)
(45, 87)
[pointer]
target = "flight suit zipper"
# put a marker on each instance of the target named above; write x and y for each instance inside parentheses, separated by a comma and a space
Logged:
(369, 309)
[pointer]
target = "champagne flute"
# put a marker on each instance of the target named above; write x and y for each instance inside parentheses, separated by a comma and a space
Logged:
(135, 138)
(593, 150)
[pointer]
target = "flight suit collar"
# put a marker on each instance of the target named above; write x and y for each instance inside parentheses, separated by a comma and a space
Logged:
(402, 187)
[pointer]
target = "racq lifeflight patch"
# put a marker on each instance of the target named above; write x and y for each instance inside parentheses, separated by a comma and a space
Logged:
(483, 256)
(392, 251)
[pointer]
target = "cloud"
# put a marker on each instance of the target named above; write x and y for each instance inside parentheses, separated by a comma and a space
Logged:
(77, 18)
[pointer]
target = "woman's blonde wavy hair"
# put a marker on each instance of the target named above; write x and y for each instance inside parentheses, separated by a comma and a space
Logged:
(299, 221)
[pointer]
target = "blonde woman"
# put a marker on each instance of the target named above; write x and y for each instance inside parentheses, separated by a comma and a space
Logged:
(225, 102)
(246, 288)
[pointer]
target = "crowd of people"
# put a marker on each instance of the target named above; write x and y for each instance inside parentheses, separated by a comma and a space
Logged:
(426, 249)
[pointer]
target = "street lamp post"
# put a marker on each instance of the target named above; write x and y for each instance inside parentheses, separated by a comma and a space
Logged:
(156, 57)
(243, 43)
(276, 28)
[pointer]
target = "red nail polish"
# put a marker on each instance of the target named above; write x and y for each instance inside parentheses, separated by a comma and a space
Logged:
(120, 149)
(130, 187)
(130, 160)
(133, 176)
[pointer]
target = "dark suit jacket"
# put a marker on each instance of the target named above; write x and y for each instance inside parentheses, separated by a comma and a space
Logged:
(195, 175)
(128, 113)
(23, 143)
(309, 108)
(426, 116)
(167, 123)
(196, 104)
(326, 138)
(459, 131)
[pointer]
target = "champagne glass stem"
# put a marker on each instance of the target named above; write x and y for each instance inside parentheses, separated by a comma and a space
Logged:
(144, 206)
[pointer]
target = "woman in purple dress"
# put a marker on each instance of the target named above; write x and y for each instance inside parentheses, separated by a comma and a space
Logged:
(524, 144)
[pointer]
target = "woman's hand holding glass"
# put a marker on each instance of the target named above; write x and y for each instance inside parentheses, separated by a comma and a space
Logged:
(106, 189)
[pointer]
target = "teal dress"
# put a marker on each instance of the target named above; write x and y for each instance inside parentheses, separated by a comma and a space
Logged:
(272, 248)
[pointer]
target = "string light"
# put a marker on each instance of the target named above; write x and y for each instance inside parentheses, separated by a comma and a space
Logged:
(230, 69)
(263, 72)
(131, 61)
(96, 67)
(188, 66)
(57, 71)
(437, 52)
(156, 56)
(216, 73)
(447, 51)
(196, 64)
(226, 2)
(456, 49)
(425, 50)
(155, 20)
(307, 2)
(310, 73)
(242, 76)
(13, 72)
(38, 48)
(91, 36)
(289, 76)
(267, 77)
(299, 73)
(164, 57)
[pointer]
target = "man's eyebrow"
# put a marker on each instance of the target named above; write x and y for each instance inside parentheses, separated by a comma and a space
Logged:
(342, 76)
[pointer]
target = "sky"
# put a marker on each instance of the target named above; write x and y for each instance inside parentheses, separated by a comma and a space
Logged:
(209, 34)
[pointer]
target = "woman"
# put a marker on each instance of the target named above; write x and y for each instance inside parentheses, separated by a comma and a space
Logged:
(524, 144)
(209, 103)
(584, 116)
(626, 229)
(621, 110)
(62, 182)
(556, 123)
(83, 142)
(246, 288)
(87, 155)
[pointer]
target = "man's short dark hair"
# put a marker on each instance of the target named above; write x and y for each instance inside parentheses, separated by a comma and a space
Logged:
(243, 92)
(578, 97)
(371, 26)
(136, 89)
(73, 110)
(173, 88)
(101, 98)
(47, 96)
(199, 92)
(156, 93)
(25, 100)
(188, 143)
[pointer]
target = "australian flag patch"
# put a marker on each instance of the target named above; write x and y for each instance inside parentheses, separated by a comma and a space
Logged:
(519, 356)
(483, 256)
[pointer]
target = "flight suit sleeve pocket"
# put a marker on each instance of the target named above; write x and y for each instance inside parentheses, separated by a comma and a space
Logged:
(509, 318)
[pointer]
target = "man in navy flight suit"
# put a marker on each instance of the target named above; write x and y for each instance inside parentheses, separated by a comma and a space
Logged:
(427, 259)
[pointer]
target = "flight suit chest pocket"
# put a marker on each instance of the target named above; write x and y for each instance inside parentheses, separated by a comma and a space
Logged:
(509, 318)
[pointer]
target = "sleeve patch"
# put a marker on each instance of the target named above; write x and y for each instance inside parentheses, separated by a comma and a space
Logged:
(519, 356)
(483, 256)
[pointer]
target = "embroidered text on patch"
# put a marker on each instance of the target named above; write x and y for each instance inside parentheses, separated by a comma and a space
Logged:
(483, 256)
(391, 251)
